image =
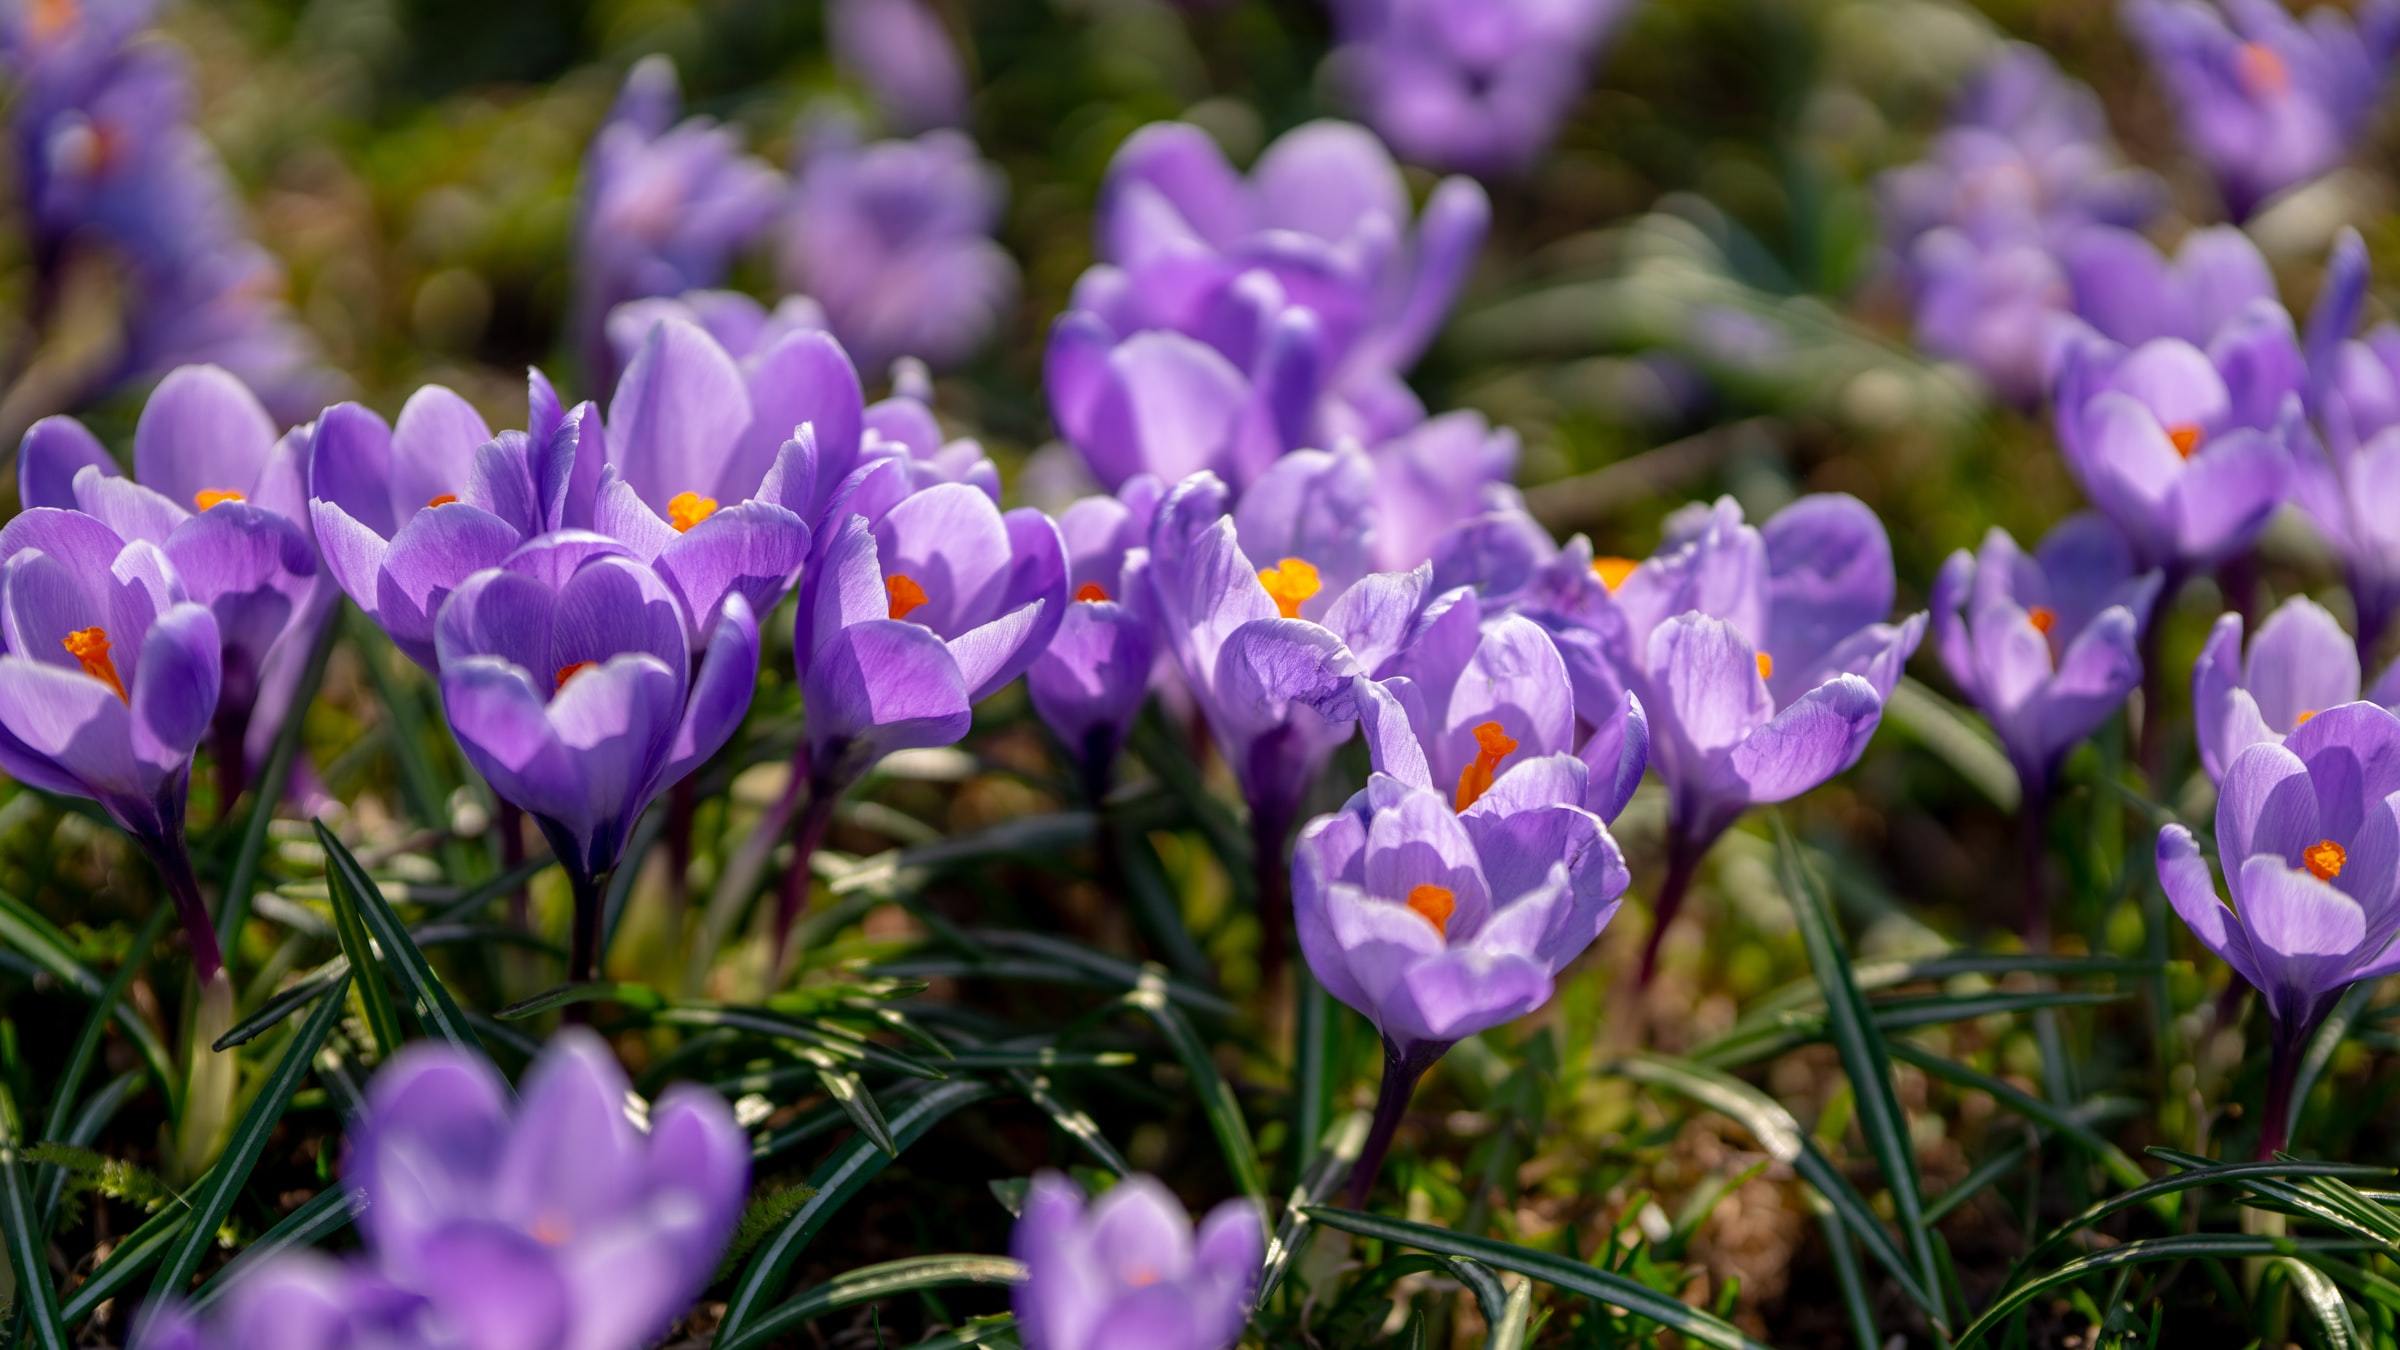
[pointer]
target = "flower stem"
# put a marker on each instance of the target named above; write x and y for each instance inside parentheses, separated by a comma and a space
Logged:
(583, 944)
(807, 835)
(1271, 878)
(509, 821)
(227, 732)
(683, 803)
(2283, 1067)
(1683, 863)
(174, 862)
(2033, 824)
(1402, 1069)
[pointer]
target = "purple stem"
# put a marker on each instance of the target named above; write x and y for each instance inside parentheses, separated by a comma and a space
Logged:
(1683, 863)
(583, 946)
(806, 836)
(509, 820)
(1402, 1070)
(226, 734)
(174, 863)
(2283, 1066)
(2033, 820)
(1271, 877)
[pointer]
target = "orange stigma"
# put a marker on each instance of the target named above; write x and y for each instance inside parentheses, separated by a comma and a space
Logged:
(444, 500)
(568, 672)
(1289, 584)
(1492, 746)
(2302, 719)
(1435, 904)
(552, 1231)
(686, 509)
(1141, 1277)
(906, 595)
(2324, 859)
(2186, 436)
(2261, 70)
(90, 646)
(208, 497)
(2043, 618)
(53, 17)
(1613, 571)
(1766, 666)
(1091, 592)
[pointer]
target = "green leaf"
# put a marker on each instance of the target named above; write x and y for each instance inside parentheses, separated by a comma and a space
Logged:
(872, 1284)
(1937, 724)
(287, 1002)
(637, 996)
(80, 1131)
(1558, 1271)
(1000, 1329)
(1217, 1101)
(322, 1215)
(1071, 1120)
(2111, 1158)
(2184, 1247)
(828, 1038)
(40, 940)
(1516, 1320)
(836, 1180)
(1781, 1136)
(436, 1013)
(95, 1027)
(2211, 1175)
(1324, 1173)
(213, 1198)
(383, 1021)
(2323, 1301)
(26, 1244)
(1851, 1027)
(140, 1250)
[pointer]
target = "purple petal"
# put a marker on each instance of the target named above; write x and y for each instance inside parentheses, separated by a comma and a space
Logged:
(202, 430)
(1819, 735)
(54, 450)
(679, 412)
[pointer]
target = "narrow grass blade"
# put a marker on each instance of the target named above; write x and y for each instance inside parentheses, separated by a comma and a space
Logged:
(95, 1027)
(436, 1013)
(1217, 1101)
(839, 1178)
(999, 1330)
(49, 948)
(1516, 1320)
(285, 1005)
(1548, 1267)
(44, 1325)
(80, 1131)
(2227, 1174)
(871, 1284)
(2111, 1158)
(383, 1020)
(2186, 1247)
(2323, 1301)
(213, 1198)
(1318, 1182)
(140, 1250)
(1072, 1121)
(321, 1216)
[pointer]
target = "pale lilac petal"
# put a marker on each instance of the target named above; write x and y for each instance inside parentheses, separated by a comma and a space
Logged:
(202, 430)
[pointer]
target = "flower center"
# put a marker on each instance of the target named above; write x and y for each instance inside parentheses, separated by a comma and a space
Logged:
(1613, 571)
(1141, 1277)
(208, 497)
(552, 1231)
(1091, 592)
(90, 646)
(2302, 719)
(2043, 618)
(906, 595)
(1435, 904)
(2261, 70)
(568, 672)
(2324, 859)
(686, 509)
(53, 17)
(1492, 746)
(1289, 584)
(1766, 666)
(2186, 437)
(444, 500)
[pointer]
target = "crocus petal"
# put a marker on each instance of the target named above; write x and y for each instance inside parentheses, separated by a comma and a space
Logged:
(127, 507)
(74, 721)
(2266, 805)
(2300, 662)
(882, 685)
(202, 430)
(1822, 733)
(1829, 569)
(433, 447)
(435, 551)
(350, 470)
(175, 685)
(752, 551)
(54, 450)
(721, 690)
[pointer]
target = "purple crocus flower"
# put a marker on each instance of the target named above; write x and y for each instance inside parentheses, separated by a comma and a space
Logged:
(2308, 837)
(573, 683)
(663, 207)
(1128, 1270)
(2130, 292)
(1478, 86)
(2186, 451)
(406, 511)
(903, 53)
(2267, 100)
(109, 677)
(221, 495)
(894, 239)
(1092, 680)
(2047, 644)
(2300, 664)
(741, 325)
(1761, 657)
(2348, 462)
(553, 1219)
(1998, 307)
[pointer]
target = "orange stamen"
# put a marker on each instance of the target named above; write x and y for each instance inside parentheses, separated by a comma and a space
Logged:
(53, 17)
(2186, 436)
(568, 672)
(1492, 746)
(2302, 719)
(2324, 859)
(1289, 584)
(686, 509)
(1766, 666)
(1435, 904)
(906, 595)
(552, 1231)
(2262, 71)
(208, 497)
(90, 646)
(1613, 571)
(1091, 592)
(1141, 1277)
(444, 500)
(2043, 618)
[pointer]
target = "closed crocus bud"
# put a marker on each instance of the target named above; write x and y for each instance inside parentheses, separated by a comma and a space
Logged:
(2300, 664)
(2347, 465)
(2308, 840)
(1091, 681)
(1128, 1271)
(2047, 644)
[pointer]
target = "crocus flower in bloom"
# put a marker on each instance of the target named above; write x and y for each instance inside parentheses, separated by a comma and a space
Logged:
(740, 324)
(221, 495)
(663, 207)
(2308, 837)
(1128, 1269)
(2300, 664)
(2130, 292)
(1478, 86)
(1761, 657)
(894, 239)
(903, 53)
(2186, 451)
(2347, 468)
(1997, 307)
(552, 1219)
(405, 512)
(2267, 100)
(1091, 681)
(109, 677)
(2047, 644)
